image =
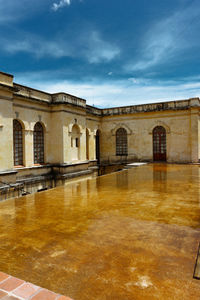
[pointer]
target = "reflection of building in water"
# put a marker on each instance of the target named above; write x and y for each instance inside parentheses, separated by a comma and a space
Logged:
(160, 172)
(48, 138)
(160, 177)
(122, 180)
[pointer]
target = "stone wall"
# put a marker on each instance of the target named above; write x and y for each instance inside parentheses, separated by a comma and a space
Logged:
(140, 141)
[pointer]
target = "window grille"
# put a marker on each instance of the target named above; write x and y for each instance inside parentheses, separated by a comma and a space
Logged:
(121, 142)
(17, 143)
(38, 144)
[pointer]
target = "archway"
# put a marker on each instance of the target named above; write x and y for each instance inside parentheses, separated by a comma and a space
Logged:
(75, 142)
(159, 143)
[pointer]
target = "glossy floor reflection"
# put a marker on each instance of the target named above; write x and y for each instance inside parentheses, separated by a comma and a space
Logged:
(128, 235)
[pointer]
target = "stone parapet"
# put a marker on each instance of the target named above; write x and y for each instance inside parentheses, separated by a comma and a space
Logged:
(68, 99)
(94, 110)
(152, 107)
(31, 93)
(6, 79)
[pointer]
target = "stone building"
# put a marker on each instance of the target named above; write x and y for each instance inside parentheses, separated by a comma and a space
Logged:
(48, 138)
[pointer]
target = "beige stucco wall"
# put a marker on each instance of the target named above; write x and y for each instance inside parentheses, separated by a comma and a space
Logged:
(6, 133)
(181, 138)
(199, 136)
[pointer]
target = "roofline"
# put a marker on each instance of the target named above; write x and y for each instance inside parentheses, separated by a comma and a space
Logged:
(68, 95)
(152, 103)
(7, 74)
(25, 86)
(94, 107)
(50, 94)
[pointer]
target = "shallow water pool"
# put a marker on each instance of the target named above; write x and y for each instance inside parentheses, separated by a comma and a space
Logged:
(132, 235)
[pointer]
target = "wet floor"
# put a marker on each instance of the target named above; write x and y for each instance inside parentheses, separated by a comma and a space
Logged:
(127, 235)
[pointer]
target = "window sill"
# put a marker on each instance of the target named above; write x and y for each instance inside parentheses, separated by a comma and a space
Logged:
(19, 166)
(32, 167)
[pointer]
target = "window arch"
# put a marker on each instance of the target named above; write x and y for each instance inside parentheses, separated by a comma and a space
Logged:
(121, 142)
(38, 143)
(17, 143)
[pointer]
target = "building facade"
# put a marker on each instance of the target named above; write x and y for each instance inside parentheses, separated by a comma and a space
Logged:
(48, 138)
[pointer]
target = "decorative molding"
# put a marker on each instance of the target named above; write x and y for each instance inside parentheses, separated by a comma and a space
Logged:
(95, 131)
(6, 98)
(160, 123)
(89, 131)
(121, 125)
(33, 108)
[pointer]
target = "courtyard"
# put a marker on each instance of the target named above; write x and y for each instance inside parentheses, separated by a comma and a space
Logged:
(132, 234)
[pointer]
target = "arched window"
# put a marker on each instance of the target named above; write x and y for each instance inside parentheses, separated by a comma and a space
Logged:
(38, 143)
(17, 143)
(121, 142)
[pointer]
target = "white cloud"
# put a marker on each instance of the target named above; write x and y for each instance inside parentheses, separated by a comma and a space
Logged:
(36, 46)
(86, 43)
(60, 4)
(90, 46)
(98, 50)
(168, 37)
(133, 80)
(118, 92)
(13, 11)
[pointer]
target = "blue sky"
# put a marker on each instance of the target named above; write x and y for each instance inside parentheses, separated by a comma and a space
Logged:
(109, 52)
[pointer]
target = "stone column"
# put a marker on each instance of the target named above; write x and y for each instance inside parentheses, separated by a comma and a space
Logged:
(28, 148)
(92, 146)
(194, 134)
(82, 149)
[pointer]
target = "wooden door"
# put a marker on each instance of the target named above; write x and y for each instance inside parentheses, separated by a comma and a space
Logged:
(159, 144)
